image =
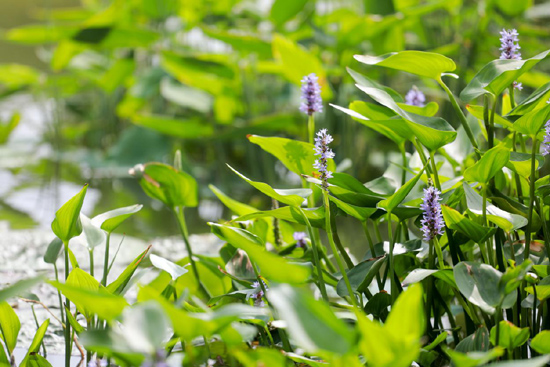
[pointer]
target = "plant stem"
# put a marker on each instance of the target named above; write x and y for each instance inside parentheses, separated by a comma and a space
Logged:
(373, 253)
(314, 247)
(335, 250)
(391, 274)
(59, 292)
(461, 116)
(532, 180)
(91, 253)
(311, 129)
(106, 261)
(68, 306)
(184, 233)
(404, 159)
(486, 224)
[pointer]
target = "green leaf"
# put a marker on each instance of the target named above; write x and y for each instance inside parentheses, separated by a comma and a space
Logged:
(75, 324)
(35, 344)
(92, 234)
(476, 342)
(394, 129)
(119, 285)
(360, 276)
(7, 128)
(292, 197)
(179, 128)
(90, 297)
(15, 76)
(473, 359)
(298, 62)
(427, 64)
(272, 267)
(19, 288)
(235, 206)
(501, 218)
(521, 163)
(432, 132)
(297, 156)
(397, 343)
(478, 111)
(479, 283)
(455, 220)
(36, 360)
(543, 289)
(110, 220)
(358, 212)
(368, 82)
(541, 342)
(284, 10)
(488, 166)
(510, 336)
(394, 200)
(10, 325)
(171, 268)
(532, 122)
(535, 101)
(53, 251)
(533, 362)
(66, 224)
(498, 75)
(311, 323)
(316, 216)
(172, 187)
(417, 275)
(429, 110)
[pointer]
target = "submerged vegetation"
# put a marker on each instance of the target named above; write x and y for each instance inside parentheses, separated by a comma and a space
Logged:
(440, 259)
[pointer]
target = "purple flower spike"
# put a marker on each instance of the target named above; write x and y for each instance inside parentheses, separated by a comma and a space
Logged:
(509, 45)
(415, 97)
(311, 95)
(321, 149)
(257, 293)
(546, 145)
(300, 238)
(432, 221)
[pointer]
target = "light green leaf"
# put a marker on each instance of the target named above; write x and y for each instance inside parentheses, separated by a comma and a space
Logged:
(172, 187)
(532, 122)
(171, 268)
(179, 128)
(498, 75)
(10, 325)
(510, 336)
(66, 224)
(311, 323)
(297, 156)
(501, 218)
(427, 64)
(477, 112)
(119, 285)
(35, 344)
(541, 342)
(455, 220)
(272, 267)
(292, 197)
(232, 204)
(284, 10)
(110, 220)
(432, 132)
(488, 166)
(395, 200)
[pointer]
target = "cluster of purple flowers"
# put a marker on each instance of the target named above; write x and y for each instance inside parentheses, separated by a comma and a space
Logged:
(311, 95)
(432, 221)
(257, 294)
(415, 97)
(509, 45)
(546, 142)
(300, 238)
(322, 140)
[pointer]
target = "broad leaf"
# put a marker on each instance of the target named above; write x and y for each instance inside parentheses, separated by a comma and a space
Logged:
(171, 268)
(10, 325)
(110, 220)
(66, 224)
(488, 166)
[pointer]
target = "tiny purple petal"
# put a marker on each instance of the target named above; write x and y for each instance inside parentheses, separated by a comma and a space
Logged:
(546, 142)
(415, 97)
(311, 95)
(509, 45)
(432, 221)
(322, 140)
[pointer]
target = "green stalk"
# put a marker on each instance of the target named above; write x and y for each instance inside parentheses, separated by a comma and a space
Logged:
(311, 129)
(430, 287)
(335, 250)
(58, 292)
(404, 158)
(314, 246)
(461, 116)
(485, 223)
(437, 247)
(91, 253)
(394, 289)
(528, 234)
(185, 234)
(68, 305)
(497, 324)
(106, 261)
(372, 252)
(516, 176)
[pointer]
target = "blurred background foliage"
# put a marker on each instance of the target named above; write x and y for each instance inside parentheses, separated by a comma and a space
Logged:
(90, 88)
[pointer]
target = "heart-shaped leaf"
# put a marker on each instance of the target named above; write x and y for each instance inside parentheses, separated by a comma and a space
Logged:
(66, 224)
(487, 167)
